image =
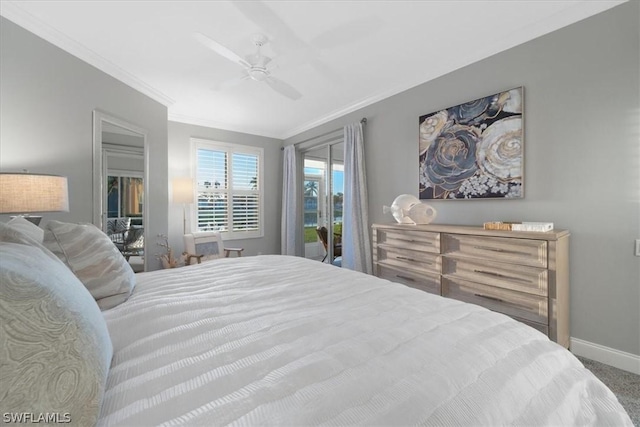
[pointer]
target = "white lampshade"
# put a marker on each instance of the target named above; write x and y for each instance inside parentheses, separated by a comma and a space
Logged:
(22, 193)
(182, 190)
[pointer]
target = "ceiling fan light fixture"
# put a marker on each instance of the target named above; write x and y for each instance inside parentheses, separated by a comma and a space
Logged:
(258, 74)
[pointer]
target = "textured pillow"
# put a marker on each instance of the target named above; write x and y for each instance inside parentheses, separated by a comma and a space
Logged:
(55, 349)
(27, 227)
(94, 259)
(15, 235)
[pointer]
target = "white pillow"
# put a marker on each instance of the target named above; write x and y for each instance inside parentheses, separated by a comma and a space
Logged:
(94, 259)
(55, 349)
(17, 235)
(27, 227)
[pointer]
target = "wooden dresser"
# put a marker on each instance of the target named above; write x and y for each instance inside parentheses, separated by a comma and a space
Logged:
(522, 274)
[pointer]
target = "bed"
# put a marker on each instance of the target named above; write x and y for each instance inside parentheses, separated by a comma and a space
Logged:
(278, 340)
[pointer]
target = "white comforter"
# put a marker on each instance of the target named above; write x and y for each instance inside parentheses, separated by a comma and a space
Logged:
(280, 340)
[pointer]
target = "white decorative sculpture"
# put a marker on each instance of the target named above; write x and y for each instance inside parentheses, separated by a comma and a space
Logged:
(407, 209)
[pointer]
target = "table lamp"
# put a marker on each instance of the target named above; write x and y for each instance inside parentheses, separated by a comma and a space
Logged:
(26, 193)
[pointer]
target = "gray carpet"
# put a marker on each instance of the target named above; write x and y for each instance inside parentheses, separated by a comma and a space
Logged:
(625, 385)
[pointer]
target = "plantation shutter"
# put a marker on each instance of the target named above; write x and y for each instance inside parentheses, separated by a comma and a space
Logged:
(229, 189)
(245, 205)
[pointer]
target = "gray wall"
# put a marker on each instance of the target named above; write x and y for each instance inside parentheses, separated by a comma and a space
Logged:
(582, 157)
(581, 145)
(47, 99)
(180, 166)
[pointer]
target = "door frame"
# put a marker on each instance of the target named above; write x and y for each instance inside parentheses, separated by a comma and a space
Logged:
(327, 194)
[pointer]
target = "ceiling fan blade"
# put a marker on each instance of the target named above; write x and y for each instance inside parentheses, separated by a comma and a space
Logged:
(326, 71)
(348, 32)
(262, 15)
(220, 50)
(283, 88)
(228, 84)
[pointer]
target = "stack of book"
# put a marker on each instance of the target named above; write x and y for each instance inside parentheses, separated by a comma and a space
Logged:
(519, 226)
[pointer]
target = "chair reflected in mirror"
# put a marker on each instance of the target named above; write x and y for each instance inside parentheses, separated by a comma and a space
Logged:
(206, 246)
(127, 237)
(133, 244)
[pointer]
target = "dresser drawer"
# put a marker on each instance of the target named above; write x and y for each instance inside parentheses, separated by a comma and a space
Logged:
(405, 258)
(423, 281)
(531, 280)
(538, 326)
(514, 251)
(529, 307)
(409, 239)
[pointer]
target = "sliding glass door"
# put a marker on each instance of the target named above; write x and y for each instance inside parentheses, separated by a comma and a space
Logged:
(337, 199)
(323, 190)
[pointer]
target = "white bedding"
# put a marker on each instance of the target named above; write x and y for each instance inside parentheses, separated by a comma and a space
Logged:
(280, 340)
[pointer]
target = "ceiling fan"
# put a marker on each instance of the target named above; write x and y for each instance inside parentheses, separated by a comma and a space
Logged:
(257, 66)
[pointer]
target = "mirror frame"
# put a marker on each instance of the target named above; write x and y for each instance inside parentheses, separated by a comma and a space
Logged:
(99, 118)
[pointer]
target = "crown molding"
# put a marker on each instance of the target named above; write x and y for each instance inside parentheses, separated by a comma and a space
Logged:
(181, 118)
(345, 110)
(14, 13)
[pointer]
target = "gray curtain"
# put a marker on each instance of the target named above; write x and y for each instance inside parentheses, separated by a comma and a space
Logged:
(356, 245)
(289, 202)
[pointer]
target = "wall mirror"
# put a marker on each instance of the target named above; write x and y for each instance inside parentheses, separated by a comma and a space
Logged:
(120, 185)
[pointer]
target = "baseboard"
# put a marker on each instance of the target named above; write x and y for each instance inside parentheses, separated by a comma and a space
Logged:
(612, 357)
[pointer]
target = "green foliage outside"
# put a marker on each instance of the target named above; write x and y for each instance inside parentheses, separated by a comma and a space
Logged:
(311, 236)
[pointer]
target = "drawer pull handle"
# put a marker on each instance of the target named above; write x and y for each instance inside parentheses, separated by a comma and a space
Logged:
(516, 304)
(404, 258)
(409, 279)
(502, 276)
(488, 248)
(409, 240)
(414, 241)
(490, 273)
(489, 298)
(492, 249)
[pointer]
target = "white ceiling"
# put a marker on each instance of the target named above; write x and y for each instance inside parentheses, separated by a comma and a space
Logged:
(341, 55)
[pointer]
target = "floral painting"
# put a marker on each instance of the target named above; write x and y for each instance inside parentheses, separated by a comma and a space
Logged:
(473, 150)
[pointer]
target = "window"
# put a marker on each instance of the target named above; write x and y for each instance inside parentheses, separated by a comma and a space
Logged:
(229, 188)
(125, 195)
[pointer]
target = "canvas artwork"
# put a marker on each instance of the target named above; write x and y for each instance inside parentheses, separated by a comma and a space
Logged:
(473, 150)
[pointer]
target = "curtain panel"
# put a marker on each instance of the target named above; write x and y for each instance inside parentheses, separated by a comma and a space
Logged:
(356, 244)
(290, 220)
